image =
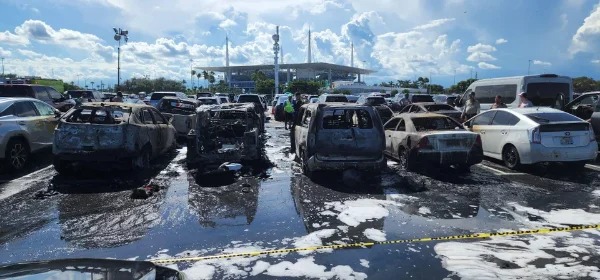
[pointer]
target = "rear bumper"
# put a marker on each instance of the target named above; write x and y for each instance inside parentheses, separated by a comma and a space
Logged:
(315, 164)
(471, 157)
(534, 153)
(114, 155)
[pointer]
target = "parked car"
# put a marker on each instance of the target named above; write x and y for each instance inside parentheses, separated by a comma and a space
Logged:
(532, 135)
(430, 107)
(26, 126)
(259, 105)
(127, 134)
(225, 133)
(431, 139)
(329, 98)
(413, 98)
(44, 93)
(352, 98)
(378, 102)
(224, 99)
(313, 100)
(156, 96)
(203, 94)
(209, 101)
(587, 107)
(85, 95)
(277, 110)
(338, 137)
(451, 100)
(181, 113)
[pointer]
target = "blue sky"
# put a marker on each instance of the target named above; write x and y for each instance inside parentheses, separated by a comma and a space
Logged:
(72, 40)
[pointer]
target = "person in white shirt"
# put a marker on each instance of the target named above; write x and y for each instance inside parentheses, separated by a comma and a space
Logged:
(524, 101)
(405, 101)
(471, 108)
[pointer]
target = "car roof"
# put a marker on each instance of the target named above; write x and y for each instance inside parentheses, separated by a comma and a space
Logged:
(333, 95)
(531, 110)
(421, 115)
(206, 98)
(120, 104)
(13, 99)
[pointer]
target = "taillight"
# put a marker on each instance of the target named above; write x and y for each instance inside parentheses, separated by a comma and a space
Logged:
(424, 143)
(478, 141)
(536, 136)
(592, 134)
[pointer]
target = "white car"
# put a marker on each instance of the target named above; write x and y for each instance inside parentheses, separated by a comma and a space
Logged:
(532, 135)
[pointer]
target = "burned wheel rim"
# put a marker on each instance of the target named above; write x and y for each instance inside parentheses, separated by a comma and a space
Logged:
(403, 159)
(511, 157)
(18, 155)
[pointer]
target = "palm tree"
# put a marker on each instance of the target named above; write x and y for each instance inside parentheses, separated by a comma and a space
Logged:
(192, 77)
(198, 75)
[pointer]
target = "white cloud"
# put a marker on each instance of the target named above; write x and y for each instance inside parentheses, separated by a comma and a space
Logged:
(5, 53)
(543, 63)
(434, 23)
(586, 38)
(595, 61)
(480, 56)
(323, 6)
(9, 38)
(501, 41)
(481, 48)
(227, 23)
(484, 65)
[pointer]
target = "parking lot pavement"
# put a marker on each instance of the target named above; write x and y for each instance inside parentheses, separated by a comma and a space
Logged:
(272, 206)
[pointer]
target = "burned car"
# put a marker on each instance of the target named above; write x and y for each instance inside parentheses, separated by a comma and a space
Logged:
(129, 134)
(180, 112)
(224, 133)
(338, 136)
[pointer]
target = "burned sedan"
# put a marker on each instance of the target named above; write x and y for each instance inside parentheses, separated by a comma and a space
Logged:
(127, 134)
(427, 138)
(224, 133)
(180, 112)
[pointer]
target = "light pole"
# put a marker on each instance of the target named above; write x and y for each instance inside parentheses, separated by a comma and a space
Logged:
(2, 67)
(119, 34)
(529, 67)
(276, 52)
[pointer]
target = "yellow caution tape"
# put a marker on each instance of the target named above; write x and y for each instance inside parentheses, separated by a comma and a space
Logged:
(368, 244)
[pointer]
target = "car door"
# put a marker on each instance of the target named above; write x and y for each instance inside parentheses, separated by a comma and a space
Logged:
(398, 137)
(166, 133)
(29, 120)
(301, 131)
(389, 129)
(49, 118)
(502, 130)
(481, 124)
(152, 131)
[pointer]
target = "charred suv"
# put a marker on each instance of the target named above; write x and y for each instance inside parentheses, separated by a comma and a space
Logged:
(225, 133)
(127, 134)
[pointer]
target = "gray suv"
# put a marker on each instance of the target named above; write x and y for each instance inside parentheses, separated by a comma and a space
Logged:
(44, 93)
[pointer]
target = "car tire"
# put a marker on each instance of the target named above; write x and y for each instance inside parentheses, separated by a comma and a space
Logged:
(304, 164)
(510, 156)
(17, 154)
(403, 159)
(63, 167)
(142, 161)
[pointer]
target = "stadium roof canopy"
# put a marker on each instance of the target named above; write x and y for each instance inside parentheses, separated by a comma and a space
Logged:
(318, 66)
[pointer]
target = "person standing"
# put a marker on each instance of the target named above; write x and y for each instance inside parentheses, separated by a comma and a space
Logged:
(405, 101)
(525, 103)
(118, 98)
(498, 103)
(471, 108)
(288, 108)
(297, 104)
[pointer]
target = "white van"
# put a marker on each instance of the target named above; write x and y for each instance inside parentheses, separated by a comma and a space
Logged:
(546, 90)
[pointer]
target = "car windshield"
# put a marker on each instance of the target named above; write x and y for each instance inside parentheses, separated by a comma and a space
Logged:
(177, 107)
(438, 107)
(13, 91)
(248, 99)
(375, 101)
(207, 101)
(347, 119)
(98, 115)
(336, 99)
(160, 95)
(552, 117)
(422, 98)
(435, 123)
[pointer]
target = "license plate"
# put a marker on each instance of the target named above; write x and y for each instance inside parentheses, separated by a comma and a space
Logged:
(568, 140)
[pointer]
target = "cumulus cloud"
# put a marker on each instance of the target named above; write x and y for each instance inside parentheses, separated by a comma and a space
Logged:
(543, 63)
(480, 56)
(4, 53)
(434, 23)
(323, 6)
(484, 65)
(501, 41)
(595, 61)
(227, 23)
(481, 48)
(586, 38)
(480, 53)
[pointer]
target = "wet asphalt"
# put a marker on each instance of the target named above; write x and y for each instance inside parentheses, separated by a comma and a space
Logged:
(46, 216)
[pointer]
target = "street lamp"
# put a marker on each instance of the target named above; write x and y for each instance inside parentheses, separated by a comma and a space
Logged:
(276, 52)
(529, 67)
(2, 67)
(119, 34)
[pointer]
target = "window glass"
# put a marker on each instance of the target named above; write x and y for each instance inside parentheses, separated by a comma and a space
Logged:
(15, 91)
(44, 109)
(415, 109)
(487, 94)
(401, 126)
(438, 107)
(346, 119)
(307, 118)
(542, 118)
(147, 117)
(55, 95)
(158, 117)
(41, 94)
(406, 109)
(9, 111)
(336, 99)
(391, 125)
(505, 118)
(484, 119)
(422, 98)
(375, 101)
(24, 109)
(435, 123)
(546, 94)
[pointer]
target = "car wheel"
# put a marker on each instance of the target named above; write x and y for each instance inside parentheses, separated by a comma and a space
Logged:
(304, 163)
(404, 160)
(17, 154)
(510, 156)
(63, 167)
(142, 161)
